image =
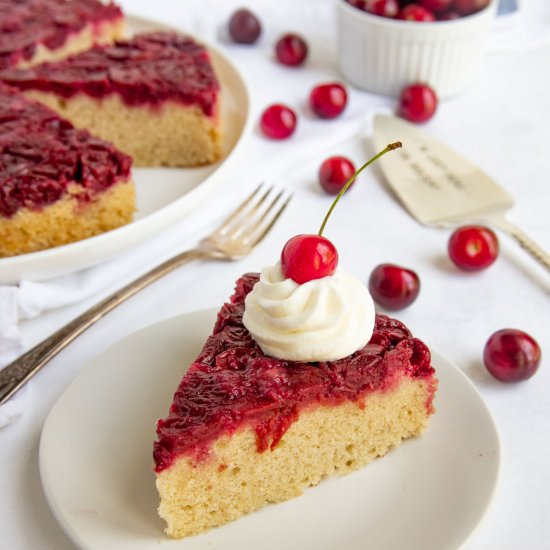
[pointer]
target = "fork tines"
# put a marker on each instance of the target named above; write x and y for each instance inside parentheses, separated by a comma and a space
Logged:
(254, 218)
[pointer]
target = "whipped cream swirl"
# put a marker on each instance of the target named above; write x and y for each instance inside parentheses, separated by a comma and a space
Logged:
(321, 320)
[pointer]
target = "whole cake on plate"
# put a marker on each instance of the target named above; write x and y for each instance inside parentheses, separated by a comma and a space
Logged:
(299, 380)
(34, 31)
(156, 97)
(58, 184)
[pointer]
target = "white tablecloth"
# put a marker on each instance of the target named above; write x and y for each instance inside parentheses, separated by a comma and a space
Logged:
(501, 122)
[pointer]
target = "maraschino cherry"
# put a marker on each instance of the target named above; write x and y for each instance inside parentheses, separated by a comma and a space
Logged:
(308, 257)
(467, 7)
(473, 247)
(278, 121)
(385, 8)
(417, 103)
(436, 6)
(511, 355)
(328, 100)
(394, 287)
(334, 174)
(414, 12)
(291, 49)
(244, 27)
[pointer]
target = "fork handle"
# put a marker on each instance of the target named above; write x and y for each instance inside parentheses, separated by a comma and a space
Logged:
(528, 244)
(16, 374)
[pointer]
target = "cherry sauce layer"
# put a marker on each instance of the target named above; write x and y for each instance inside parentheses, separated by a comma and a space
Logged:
(147, 70)
(25, 24)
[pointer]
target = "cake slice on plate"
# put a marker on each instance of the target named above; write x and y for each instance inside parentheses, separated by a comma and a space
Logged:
(156, 97)
(246, 429)
(57, 184)
(34, 31)
(299, 380)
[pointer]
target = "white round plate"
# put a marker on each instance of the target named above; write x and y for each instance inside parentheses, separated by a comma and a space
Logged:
(164, 195)
(97, 469)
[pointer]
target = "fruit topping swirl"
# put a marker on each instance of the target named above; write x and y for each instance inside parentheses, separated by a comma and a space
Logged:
(321, 320)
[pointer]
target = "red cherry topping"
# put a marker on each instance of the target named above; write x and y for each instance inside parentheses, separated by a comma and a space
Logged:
(278, 121)
(414, 12)
(291, 49)
(393, 287)
(436, 6)
(308, 257)
(334, 173)
(473, 247)
(328, 100)
(418, 103)
(244, 27)
(467, 7)
(511, 355)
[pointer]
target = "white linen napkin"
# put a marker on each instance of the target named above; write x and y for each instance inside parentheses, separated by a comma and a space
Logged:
(10, 348)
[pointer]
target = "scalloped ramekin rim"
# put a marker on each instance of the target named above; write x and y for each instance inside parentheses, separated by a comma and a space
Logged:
(397, 23)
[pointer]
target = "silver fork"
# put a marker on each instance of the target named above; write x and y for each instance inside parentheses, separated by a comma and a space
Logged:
(234, 239)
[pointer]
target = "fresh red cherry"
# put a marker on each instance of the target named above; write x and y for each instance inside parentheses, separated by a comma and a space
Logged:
(278, 121)
(334, 174)
(473, 247)
(328, 100)
(385, 8)
(414, 12)
(244, 27)
(291, 49)
(393, 287)
(511, 355)
(436, 6)
(308, 257)
(467, 7)
(417, 103)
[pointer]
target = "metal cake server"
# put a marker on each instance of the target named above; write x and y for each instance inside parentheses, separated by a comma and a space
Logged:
(438, 186)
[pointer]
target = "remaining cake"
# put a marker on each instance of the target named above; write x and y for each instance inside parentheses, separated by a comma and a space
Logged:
(34, 31)
(156, 97)
(57, 184)
(246, 429)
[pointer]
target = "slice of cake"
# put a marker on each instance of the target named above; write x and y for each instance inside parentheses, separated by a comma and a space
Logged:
(156, 97)
(57, 184)
(34, 31)
(246, 429)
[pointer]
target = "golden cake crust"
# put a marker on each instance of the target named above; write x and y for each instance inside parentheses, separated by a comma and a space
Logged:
(67, 220)
(325, 440)
(172, 134)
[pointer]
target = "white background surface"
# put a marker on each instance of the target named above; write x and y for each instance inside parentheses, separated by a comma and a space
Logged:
(501, 122)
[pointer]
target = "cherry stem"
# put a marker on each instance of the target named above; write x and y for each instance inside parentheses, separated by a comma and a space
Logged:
(388, 148)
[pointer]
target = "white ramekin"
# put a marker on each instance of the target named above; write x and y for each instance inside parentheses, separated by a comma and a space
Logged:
(384, 55)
